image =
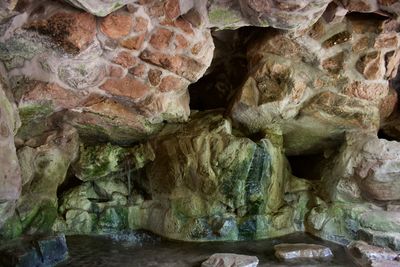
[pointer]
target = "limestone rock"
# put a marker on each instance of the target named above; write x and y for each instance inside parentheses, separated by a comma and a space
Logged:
(98, 74)
(366, 167)
(282, 15)
(10, 174)
(34, 251)
(231, 260)
(377, 6)
(316, 85)
(99, 8)
(301, 251)
(215, 182)
(364, 254)
(47, 169)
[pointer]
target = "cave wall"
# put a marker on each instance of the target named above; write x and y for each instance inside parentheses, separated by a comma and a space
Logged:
(100, 128)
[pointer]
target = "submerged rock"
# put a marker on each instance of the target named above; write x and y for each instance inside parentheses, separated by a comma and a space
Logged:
(230, 260)
(301, 251)
(42, 251)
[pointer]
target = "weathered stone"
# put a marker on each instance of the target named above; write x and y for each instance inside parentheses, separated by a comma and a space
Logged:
(37, 207)
(98, 7)
(85, 88)
(308, 86)
(365, 167)
(47, 251)
(231, 260)
(134, 43)
(127, 87)
(364, 254)
(278, 14)
(10, 174)
(73, 31)
(301, 251)
(116, 25)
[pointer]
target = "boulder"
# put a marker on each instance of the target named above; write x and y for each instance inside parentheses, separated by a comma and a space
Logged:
(230, 260)
(301, 251)
(35, 251)
(316, 85)
(366, 167)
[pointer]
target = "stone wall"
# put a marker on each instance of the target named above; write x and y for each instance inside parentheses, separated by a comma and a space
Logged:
(97, 134)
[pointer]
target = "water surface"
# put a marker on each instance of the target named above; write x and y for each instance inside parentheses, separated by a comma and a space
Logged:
(144, 250)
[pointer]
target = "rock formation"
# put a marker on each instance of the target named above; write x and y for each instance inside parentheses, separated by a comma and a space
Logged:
(98, 136)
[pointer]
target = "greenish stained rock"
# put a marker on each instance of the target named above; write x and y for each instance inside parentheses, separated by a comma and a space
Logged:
(96, 162)
(201, 171)
(225, 18)
(80, 221)
(33, 118)
(113, 219)
(18, 48)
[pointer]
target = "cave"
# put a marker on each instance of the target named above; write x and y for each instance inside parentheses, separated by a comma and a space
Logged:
(199, 133)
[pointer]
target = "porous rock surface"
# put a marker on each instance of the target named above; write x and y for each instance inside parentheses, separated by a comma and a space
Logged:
(332, 78)
(116, 78)
(108, 142)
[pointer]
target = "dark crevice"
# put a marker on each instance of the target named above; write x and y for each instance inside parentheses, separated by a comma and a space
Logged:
(307, 166)
(70, 182)
(227, 72)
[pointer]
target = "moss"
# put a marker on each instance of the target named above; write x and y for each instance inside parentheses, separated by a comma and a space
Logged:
(11, 229)
(96, 162)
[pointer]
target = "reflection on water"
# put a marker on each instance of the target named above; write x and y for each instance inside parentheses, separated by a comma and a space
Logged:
(144, 250)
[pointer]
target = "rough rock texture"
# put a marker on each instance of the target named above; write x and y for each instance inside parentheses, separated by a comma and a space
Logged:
(205, 183)
(10, 176)
(43, 169)
(367, 255)
(331, 79)
(34, 251)
(98, 7)
(301, 251)
(116, 78)
(230, 260)
(278, 14)
(360, 191)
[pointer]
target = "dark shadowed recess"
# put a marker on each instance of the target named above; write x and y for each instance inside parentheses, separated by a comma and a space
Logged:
(228, 69)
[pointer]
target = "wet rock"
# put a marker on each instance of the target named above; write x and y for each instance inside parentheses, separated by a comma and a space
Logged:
(232, 260)
(316, 103)
(366, 255)
(35, 251)
(301, 251)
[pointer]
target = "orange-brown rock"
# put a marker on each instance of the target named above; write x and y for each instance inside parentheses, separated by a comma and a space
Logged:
(125, 59)
(127, 87)
(170, 83)
(116, 25)
(134, 43)
(161, 38)
(73, 31)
